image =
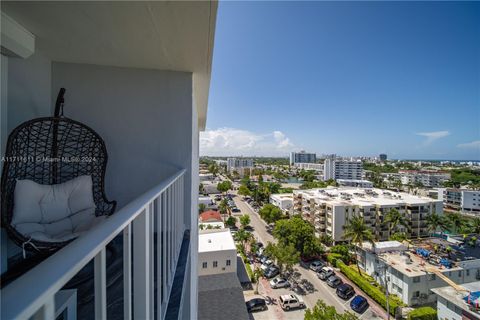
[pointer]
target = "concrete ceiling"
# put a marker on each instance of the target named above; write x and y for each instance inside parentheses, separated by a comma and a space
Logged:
(152, 34)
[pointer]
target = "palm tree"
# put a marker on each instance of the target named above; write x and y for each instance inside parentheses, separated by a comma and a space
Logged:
(434, 222)
(257, 274)
(475, 226)
(456, 222)
(357, 232)
(243, 236)
(393, 219)
(202, 207)
(224, 208)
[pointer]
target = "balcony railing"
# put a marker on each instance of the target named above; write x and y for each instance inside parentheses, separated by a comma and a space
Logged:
(160, 210)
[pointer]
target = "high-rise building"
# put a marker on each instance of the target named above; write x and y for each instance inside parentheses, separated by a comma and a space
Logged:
(383, 157)
(342, 169)
(240, 165)
(302, 157)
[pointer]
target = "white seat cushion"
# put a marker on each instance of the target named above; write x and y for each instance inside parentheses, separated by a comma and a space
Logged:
(54, 212)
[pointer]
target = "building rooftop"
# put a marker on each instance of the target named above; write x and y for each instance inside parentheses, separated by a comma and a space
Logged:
(215, 240)
(364, 197)
(460, 299)
(210, 216)
(282, 195)
(423, 254)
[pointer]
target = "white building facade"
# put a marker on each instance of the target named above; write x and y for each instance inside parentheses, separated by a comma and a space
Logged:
(302, 157)
(240, 165)
(284, 201)
(429, 179)
(464, 200)
(217, 252)
(328, 209)
(343, 169)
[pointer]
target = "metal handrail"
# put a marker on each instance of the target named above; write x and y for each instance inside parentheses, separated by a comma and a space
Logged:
(23, 297)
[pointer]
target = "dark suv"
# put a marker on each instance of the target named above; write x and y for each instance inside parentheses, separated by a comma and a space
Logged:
(256, 304)
(345, 291)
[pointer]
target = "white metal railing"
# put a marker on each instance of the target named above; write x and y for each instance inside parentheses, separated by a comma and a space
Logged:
(160, 210)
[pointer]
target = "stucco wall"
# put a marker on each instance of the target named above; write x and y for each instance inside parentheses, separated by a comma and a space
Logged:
(144, 116)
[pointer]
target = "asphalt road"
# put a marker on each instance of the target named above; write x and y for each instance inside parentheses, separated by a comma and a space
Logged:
(322, 290)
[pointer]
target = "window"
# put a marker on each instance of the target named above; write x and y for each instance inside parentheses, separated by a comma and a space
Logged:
(204, 265)
(459, 273)
(416, 279)
(215, 264)
(467, 272)
(416, 294)
(228, 262)
(433, 277)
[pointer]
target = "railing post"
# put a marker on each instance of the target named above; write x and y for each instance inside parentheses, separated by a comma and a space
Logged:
(47, 311)
(127, 272)
(141, 272)
(151, 255)
(100, 286)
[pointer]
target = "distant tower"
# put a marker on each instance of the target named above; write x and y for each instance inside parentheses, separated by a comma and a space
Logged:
(383, 157)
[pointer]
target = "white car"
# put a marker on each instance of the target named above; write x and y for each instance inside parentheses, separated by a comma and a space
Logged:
(266, 265)
(291, 301)
(279, 283)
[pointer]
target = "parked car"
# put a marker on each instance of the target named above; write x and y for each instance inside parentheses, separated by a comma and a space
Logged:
(325, 273)
(265, 265)
(345, 291)
(359, 304)
(271, 272)
(257, 304)
(235, 209)
(279, 283)
(264, 259)
(334, 281)
(316, 265)
(291, 301)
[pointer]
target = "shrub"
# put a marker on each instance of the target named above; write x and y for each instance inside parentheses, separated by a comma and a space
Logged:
(249, 272)
(423, 313)
(373, 292)
(333, 257)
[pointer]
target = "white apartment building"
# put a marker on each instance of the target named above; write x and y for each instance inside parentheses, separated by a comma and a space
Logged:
(458, 305)
(464, 200)
(412, 274)
(284, 201)
(342, 169)
(217, 252)
(310, 166)
(239, 165)
(328, 209)
(302, 157)
(429, 179)
(355, 183)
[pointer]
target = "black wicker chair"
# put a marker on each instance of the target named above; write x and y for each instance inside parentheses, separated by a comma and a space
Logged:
(52, 150)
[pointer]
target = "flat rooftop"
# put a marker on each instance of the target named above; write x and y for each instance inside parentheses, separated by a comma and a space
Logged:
(364, 197)
(215, 240)
(458, 298)
(412, 263)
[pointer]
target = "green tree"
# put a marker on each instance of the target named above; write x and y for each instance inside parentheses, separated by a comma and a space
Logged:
(245, 220)
(342, 250)
(243, 237)
(398, 236)
(393, 219)
(298, 233)
(284, 256)
(326, 239)
(270, 213)
(322, 311)
(224, 208)
(244, 191)
(224, 186)
(257, 274)
(456, 222)
(231, 221)
(213, 169)
(475, 225)
(201, 207)
(201, 188)
(357, 232)
(436, 222)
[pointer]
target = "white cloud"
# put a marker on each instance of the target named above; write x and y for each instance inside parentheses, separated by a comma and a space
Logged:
(231, 141)
(433, 136)
(474, 144)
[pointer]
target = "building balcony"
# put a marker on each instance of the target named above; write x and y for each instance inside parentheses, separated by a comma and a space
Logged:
(155, 254)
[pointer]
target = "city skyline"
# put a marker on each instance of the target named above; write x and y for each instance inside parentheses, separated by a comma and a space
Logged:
(346, 78)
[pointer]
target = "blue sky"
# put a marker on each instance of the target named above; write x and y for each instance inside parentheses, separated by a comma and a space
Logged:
(360, 78)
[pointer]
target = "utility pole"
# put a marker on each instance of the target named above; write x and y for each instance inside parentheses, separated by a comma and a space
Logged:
(385, 281)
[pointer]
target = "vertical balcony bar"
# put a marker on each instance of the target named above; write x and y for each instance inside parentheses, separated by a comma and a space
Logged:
(164, 245)
(127, 272)
(100, 279)
(158, 221)
(151, 256)
(172, 227)
(47, 311)
(141, 272)
(175, 219)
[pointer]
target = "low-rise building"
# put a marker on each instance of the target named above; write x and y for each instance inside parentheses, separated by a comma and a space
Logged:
(429, 179)
(427, 264)
(284, 201)
(464, 200)
(453, 304)
(328, 209)
(355, 183)
(217, 252)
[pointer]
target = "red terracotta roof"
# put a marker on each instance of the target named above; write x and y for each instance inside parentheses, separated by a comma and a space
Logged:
(210, 216)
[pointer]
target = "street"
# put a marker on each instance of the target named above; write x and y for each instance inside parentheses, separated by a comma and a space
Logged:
(322, 290)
